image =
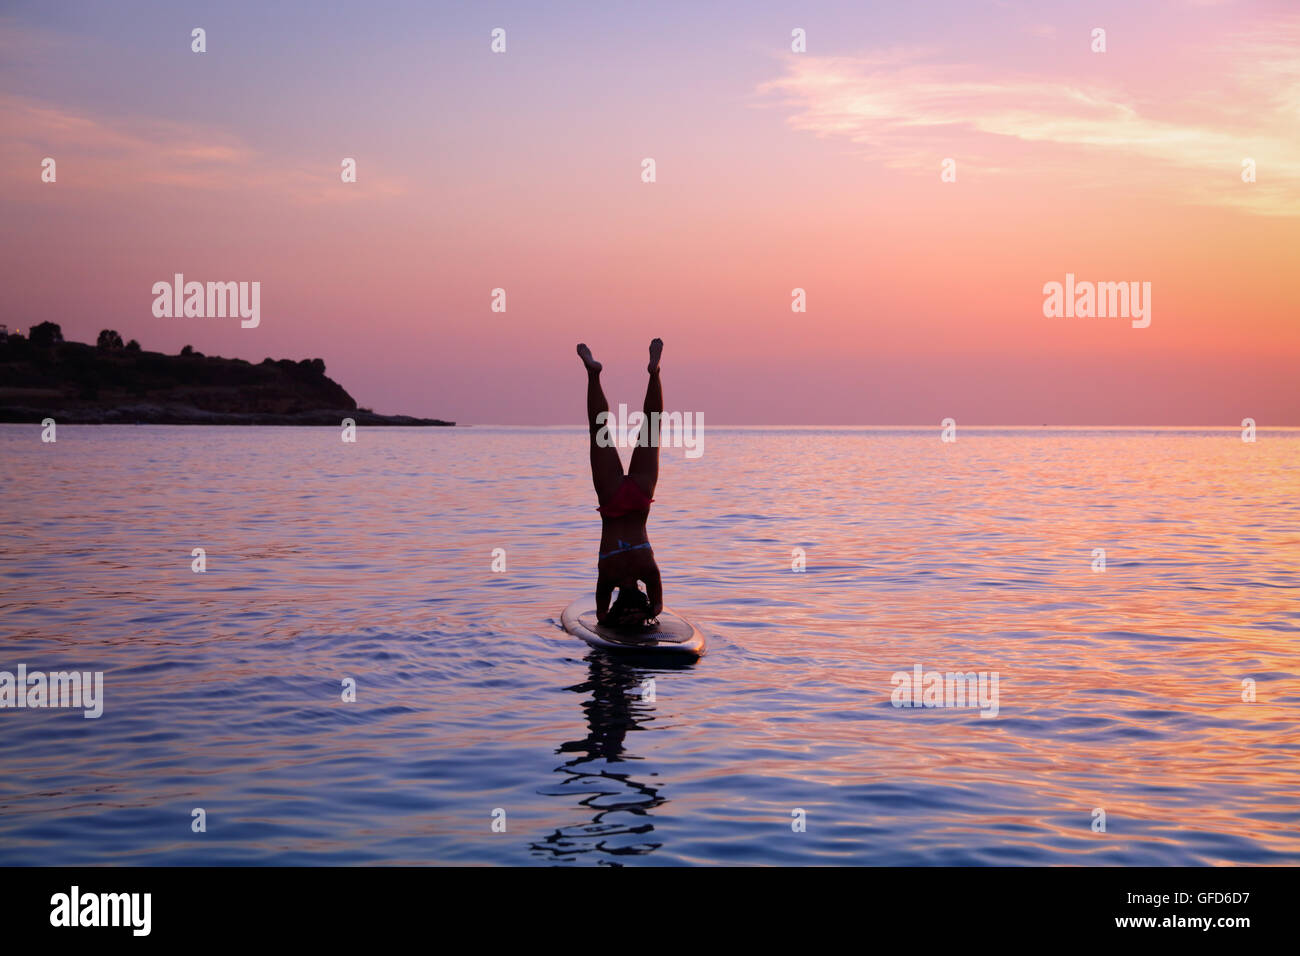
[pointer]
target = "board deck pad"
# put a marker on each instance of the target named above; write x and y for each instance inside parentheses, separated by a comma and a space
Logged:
(673, 635)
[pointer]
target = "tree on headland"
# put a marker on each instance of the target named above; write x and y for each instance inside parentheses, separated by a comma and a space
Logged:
(45, 334)
(108, 339)
(133, 346)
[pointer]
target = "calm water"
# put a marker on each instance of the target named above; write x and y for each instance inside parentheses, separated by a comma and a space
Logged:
(1120, 690)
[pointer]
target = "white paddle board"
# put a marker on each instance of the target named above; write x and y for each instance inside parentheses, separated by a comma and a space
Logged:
(673, 636)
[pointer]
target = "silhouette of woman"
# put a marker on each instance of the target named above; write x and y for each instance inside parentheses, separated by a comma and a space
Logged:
(625, 554)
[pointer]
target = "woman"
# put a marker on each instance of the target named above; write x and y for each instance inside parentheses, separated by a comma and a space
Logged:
(625, 555)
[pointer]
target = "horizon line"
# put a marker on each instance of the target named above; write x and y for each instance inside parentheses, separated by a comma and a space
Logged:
(1238, 427)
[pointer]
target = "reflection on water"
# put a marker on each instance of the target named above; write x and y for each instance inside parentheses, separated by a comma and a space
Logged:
(599, 774)
(373, 562)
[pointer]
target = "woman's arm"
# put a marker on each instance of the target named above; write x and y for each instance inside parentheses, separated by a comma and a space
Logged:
(604, 592)
(654, 590)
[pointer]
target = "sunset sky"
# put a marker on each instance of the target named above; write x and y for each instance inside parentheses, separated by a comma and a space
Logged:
(775, 170)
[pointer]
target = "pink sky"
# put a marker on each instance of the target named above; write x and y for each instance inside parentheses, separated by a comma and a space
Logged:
(775, 170)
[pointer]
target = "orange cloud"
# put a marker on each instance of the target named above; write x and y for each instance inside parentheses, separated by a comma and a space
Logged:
(910, 111)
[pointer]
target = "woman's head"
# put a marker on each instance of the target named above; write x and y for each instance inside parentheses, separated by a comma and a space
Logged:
(631, 608)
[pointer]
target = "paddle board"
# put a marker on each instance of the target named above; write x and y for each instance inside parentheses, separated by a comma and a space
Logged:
(673, 636)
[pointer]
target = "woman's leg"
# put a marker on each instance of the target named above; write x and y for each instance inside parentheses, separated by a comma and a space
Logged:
(606, 469)
(644, 468)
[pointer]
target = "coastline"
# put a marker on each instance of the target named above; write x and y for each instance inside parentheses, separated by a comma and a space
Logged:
(188, 415)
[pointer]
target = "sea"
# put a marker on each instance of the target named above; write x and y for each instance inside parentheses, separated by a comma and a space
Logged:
(325, 652)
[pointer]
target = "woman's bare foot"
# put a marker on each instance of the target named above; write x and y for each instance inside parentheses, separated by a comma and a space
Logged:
(656, 349)
(584, 353)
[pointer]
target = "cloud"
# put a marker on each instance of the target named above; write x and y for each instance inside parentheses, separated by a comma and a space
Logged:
(114, 154)
(907, 111)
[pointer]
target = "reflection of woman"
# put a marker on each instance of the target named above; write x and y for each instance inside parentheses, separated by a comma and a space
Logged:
(625, 554)
(599, 768)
